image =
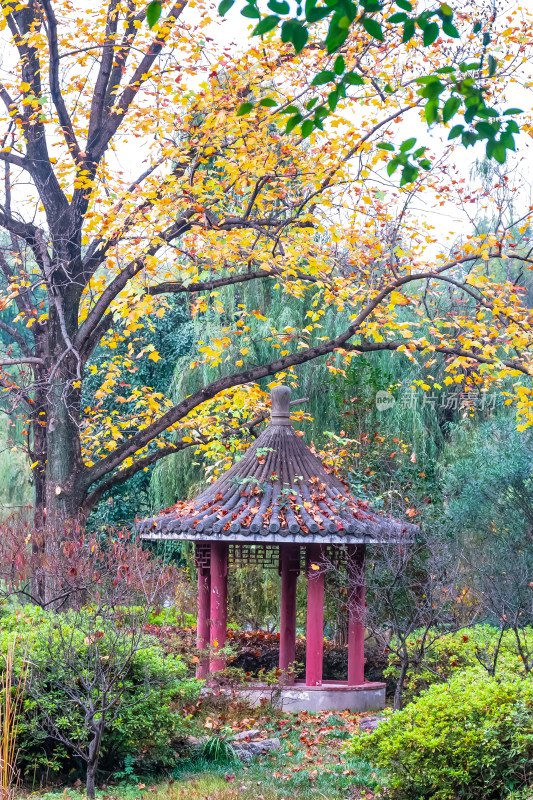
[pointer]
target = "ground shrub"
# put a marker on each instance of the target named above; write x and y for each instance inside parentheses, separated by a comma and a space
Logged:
(469, 648)
(151, 713)
(469, 738)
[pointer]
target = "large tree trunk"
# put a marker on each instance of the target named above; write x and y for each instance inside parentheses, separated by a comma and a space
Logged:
(64, 492)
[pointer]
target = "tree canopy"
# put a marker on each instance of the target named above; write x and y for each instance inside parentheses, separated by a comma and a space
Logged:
(132, 176)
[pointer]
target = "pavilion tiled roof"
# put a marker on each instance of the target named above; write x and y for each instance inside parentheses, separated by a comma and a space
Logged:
(279, 491)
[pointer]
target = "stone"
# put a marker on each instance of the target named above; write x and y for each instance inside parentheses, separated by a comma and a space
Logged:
(245, 751)
(369, 724)
(244, 736)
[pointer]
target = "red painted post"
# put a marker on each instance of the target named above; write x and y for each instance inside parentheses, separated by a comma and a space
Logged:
(289, 557)
(219, 601)
(203, 617)
(315, 616)
(356, 614)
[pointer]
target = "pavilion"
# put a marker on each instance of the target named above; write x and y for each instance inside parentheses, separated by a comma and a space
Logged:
(277, 506)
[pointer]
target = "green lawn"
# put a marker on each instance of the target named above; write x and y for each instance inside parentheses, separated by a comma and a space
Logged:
(311, 765)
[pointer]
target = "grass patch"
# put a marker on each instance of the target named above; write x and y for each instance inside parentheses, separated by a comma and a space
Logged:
(311, 765)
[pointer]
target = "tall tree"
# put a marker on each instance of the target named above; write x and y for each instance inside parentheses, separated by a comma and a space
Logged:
(219, 200)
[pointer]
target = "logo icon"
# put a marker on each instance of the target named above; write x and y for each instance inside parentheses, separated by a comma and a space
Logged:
(384, 400)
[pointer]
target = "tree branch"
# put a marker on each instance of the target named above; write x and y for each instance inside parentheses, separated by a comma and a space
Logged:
(55, 89)
(102, 136)
(139, 440)
(176, 287)
(9, 362)
(125, 275)
(433, 348)
(120, 477)
(17, 337)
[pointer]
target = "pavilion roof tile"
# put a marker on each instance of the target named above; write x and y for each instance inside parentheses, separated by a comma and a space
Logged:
(278, 489)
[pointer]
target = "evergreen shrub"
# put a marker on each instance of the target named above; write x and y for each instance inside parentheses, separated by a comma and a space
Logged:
(469, 738)
(151, 712)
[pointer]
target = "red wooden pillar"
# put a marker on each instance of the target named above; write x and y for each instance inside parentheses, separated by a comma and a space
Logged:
(315, 616)
(289, 557)
(219, 601)
(203, 616)
(356, 612)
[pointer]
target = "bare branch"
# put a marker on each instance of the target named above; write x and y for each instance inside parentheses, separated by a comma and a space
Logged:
(9, 362)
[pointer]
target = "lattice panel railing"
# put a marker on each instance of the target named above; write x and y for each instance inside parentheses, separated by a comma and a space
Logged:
(264, 555)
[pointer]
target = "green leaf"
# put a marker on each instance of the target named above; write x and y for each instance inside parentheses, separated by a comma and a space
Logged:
(408, 30)
(307, 128)
(405, 146)
(392, 166)
(251, 12)
(313, 14)
(455, 131)
(153, 12)
(373, 28)
(507, 140)
(431, 111)
(268, 102)
(486, 130)
(326, 76)
(312, 103)
(339, 65)
(244, 109)
(451, 107)
(401, 17)
(449, 29)
(352, 79)
(225, 6)
(409, 174)
(465, 67)
(493, 65)
(499, 153)
(292, 31)
(385, 146)
(279, 6)
(431, 33)
(477, 27)
(333, 99)
(468, 138)
(513, 111)
(267, 24)
(293, 122)
(337, 32)
(405, 5)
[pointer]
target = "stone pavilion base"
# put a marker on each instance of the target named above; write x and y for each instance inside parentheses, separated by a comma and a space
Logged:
(331, 696)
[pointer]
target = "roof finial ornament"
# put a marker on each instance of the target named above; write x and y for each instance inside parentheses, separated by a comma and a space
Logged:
(280, 396)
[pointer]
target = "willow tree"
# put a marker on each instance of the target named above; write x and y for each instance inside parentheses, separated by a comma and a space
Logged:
(130, 176)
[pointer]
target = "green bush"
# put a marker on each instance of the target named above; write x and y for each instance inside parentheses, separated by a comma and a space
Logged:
(470, 648)
(469, 738)
(150, 716)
